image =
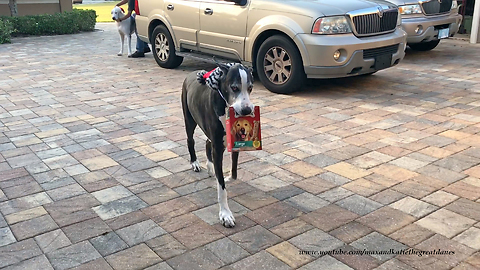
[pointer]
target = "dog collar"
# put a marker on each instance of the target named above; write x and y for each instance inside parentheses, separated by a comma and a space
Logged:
(212, 79)
(220, 93)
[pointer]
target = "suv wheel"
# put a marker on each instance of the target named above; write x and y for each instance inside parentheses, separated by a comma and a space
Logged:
(424, 46)
(279, 65)
(164, 48)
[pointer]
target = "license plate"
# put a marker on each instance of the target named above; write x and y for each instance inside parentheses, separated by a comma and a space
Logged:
(383, 61)
(443, 33)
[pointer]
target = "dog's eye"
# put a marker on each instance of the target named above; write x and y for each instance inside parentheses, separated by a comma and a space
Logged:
(234, 88)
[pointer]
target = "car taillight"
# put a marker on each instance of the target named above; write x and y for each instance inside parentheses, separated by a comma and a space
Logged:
(137, 10)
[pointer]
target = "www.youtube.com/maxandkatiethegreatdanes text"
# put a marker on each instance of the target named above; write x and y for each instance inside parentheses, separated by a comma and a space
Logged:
(409, 251)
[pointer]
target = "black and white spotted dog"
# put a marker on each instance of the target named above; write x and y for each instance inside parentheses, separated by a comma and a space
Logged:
(205, 96)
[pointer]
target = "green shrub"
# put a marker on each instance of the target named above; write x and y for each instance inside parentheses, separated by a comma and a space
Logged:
(57, 24)
(6, 29)
(86, 19)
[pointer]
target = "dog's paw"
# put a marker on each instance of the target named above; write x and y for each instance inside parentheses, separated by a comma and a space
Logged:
(226, 218)
(195, 166)
(119, 54)
(210, 168)
(229, 178)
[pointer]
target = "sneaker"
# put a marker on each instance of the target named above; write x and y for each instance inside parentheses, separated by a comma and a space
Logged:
(147, 50)
(137, 54)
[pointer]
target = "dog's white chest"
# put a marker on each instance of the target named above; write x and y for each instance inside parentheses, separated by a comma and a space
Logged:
(222, 120)
(124, 27)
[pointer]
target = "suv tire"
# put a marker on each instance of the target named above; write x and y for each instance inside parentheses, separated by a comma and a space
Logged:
(279, 65)
(164, 49)
(424, 46)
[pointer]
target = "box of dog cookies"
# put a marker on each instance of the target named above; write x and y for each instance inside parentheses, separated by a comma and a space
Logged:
(243, 132)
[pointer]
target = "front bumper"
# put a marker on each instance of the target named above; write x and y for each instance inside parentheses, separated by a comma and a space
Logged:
(317, 53)
(430, 26)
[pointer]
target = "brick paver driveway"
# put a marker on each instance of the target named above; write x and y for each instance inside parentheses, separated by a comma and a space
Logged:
(94, 172)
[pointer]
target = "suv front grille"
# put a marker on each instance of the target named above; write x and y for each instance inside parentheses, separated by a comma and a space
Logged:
(437, 7)
(372, 53)
(375, 23)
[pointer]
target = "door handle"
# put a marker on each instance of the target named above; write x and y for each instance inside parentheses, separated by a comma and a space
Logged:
(208, 11)
(170, 7)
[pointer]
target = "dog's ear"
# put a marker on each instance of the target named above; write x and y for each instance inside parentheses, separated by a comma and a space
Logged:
(251, 73)
(222, 66)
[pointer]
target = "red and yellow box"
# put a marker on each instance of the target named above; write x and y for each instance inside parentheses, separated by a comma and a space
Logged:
(243, 132)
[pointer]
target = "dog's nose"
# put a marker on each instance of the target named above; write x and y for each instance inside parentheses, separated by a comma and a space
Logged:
(246, 111)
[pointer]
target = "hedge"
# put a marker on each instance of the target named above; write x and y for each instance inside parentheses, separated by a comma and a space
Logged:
(6, 30)
(47, 24)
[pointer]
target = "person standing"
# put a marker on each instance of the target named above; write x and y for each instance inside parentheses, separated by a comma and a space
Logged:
(142, 46)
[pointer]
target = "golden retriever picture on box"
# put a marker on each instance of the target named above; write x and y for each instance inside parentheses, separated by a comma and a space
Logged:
(243, 132)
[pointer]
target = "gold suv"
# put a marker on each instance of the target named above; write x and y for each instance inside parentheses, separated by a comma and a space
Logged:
(428, 21)
(284, 41)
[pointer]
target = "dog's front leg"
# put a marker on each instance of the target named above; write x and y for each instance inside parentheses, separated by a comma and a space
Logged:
(122, 37)
(225, 215)
(129, 44)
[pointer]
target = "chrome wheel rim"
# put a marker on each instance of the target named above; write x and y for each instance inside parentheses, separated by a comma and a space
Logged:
(277, 65)
(161, 47)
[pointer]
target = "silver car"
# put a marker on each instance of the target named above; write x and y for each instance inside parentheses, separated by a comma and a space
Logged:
(284, 41)
(428, 21)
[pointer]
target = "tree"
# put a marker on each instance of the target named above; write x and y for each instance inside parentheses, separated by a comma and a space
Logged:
(13, 7)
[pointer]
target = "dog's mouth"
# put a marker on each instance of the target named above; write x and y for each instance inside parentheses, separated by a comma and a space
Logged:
(242, 134)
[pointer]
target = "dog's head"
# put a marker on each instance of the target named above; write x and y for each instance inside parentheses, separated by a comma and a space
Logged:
(236, 84)
(242, 129)
(117, 13)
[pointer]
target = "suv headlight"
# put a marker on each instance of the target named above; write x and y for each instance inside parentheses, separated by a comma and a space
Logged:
(410, 9)
(454, 4)
(331, 25)
(399, 19)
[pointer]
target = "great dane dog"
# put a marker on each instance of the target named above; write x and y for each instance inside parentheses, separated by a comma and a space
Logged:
(125, 28)
(205, 96)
